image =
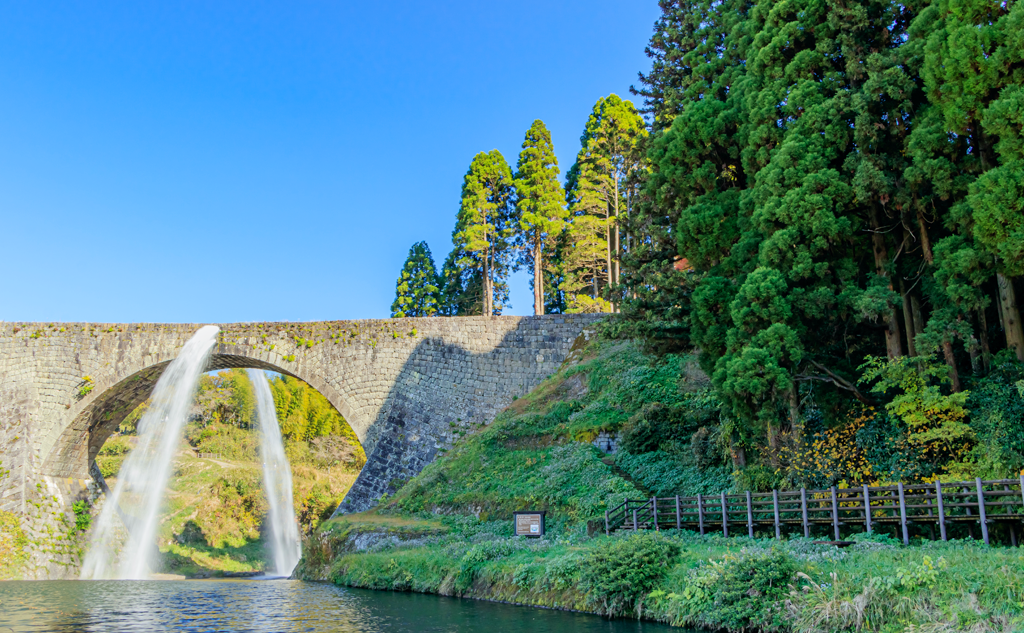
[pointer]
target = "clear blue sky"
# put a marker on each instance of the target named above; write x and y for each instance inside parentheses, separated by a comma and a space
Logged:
(222, 161)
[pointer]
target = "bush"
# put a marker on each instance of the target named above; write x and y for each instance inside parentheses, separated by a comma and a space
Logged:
(742, 592)
(116, 445)
(645, 431)
(665, 474)
(617, 578)
(317, 506)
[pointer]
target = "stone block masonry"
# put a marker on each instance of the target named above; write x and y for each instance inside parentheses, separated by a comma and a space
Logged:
(408, 387)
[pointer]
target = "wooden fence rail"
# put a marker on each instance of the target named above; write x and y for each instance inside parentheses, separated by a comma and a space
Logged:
(932, 505)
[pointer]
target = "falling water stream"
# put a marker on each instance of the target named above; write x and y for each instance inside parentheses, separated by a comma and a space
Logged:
(137, 496)
(283, 532)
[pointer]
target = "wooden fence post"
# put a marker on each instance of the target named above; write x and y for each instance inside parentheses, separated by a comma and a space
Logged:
(803, 511)
(679, 523)
(635, 528)
(654, 511)
(903, 515)
(700, 513)
(725, 517)
(867, 509)
(1008, 508)
(775, 504)
(835, 512)
(606, 531)
(942, 509)
(750, 517)
(981, 510)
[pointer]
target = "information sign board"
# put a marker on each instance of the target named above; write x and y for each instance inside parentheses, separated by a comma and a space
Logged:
(529, 523)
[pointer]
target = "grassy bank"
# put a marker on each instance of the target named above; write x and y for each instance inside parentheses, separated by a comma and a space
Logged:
(685, 579)
(448, 530)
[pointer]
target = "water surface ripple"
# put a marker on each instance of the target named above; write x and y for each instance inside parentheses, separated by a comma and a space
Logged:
(283, 606)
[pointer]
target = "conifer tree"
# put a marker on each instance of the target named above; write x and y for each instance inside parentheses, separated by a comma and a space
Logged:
(973, 57)
(600, 184)
(416, 292)
(482, 231)
(541, 213)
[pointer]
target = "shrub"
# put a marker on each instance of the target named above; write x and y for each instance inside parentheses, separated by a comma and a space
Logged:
(317, 506)
(617, 578)
(742, 592)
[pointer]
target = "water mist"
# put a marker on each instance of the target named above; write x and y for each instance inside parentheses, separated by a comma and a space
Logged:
(283, 542)
(137, 496)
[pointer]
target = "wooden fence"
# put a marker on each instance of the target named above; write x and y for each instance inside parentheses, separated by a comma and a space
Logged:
(937, 505)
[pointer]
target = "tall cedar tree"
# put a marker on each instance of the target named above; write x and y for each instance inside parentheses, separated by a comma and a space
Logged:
(483, 228)
(973, 73)
(416, 292)
(601, 184)
(539, 207)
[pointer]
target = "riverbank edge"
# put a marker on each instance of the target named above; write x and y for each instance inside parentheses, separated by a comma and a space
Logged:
(885, 586)
(324, 556)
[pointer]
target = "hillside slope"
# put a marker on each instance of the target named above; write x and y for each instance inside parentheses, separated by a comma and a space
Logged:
(448, 531)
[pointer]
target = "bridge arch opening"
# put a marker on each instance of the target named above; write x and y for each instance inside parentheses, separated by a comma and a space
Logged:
(215, 512)
(75, 451)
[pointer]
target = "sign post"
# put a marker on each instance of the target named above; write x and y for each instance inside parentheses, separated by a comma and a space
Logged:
(529, 523)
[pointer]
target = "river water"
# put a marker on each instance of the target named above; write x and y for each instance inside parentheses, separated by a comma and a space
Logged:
(280, 606)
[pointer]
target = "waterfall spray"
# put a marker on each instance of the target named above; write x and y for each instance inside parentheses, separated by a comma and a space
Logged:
(283, 532)
(141, 482)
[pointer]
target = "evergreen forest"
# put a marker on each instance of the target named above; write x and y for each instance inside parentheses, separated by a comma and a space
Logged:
(820, 200)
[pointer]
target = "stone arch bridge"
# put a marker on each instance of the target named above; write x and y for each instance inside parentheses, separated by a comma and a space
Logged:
(406, 386)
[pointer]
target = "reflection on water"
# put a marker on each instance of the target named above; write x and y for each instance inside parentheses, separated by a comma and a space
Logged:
(283, 606)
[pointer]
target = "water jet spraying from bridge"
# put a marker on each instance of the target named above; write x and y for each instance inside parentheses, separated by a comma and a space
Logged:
(283, 533)
(135, 501)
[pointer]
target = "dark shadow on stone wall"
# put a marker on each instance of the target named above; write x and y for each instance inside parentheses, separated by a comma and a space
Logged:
(425, 409)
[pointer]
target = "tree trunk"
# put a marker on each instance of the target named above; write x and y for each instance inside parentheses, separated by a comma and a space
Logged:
(926, 244)
(915, 307)
(986, 351)
(908, 320)
(738, 455)
(954, 375)
(488, 295)
(616, 259)
(1011, 315)
(893, 348)
(773, 446)
(608, 247)
(538, 280)
(795, 422)
(974, 350)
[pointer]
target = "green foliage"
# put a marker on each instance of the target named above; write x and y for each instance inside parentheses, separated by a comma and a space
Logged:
(828, 185)
(601, 191)
(668, 474)
(617, 578)
(226, 397)
(738, 593)
(303, 413)
(83, 517)
(416, 291)
(317, 506)
(87, 386)
(539, 207)
(13, 542)
(936, 421)
(482, 236)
